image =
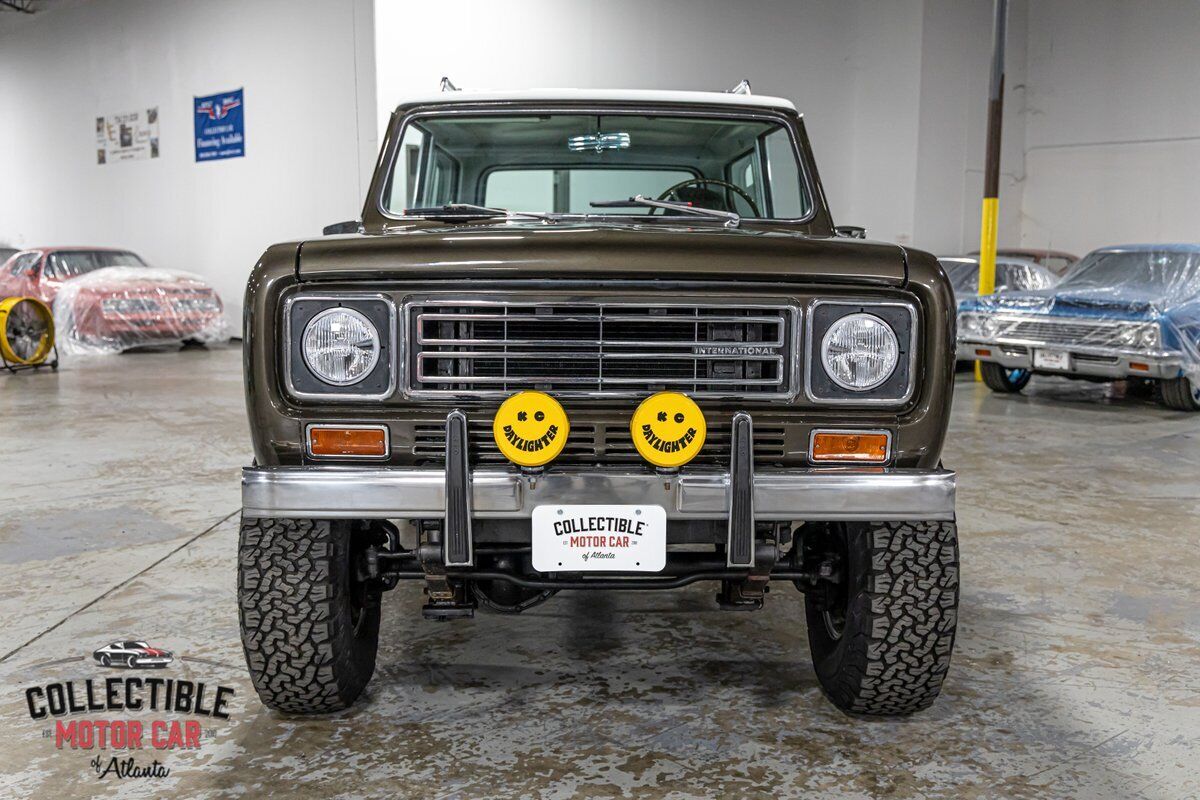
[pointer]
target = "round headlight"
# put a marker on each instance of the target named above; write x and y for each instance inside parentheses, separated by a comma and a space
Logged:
(989, 327)
(340, 346)
(968, 323)
(1149, 337)
(859, 352)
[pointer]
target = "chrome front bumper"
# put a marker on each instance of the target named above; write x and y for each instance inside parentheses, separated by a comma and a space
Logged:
(1098, 362)
(828, 494)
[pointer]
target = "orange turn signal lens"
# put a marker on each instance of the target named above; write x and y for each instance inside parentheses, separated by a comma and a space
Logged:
(869, 447)
(354, 442)
(982, 352)
(1139, 366)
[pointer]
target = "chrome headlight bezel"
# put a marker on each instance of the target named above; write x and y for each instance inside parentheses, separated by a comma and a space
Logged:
(897, 388)
(300, 379)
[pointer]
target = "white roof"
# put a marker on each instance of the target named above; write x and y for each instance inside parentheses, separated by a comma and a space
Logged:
(603, 95)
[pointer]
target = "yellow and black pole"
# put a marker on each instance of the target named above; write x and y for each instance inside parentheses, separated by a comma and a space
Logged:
(991, 169)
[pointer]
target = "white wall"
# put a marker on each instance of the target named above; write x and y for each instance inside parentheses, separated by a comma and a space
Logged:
(1113, 123)
(855, 69)
(307, 70)
(1101, 137)
(955, 62)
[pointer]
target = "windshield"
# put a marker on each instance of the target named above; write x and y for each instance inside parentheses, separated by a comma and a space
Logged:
(963, 275)
(71, 263)
(1169, 274)
(562, 163)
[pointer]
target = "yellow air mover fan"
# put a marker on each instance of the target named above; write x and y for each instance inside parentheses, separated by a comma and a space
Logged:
(26, 333)
(668, 429)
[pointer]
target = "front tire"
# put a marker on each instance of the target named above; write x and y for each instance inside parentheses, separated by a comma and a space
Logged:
(1181, 394)
(881, 641)
(105, 661)
(1001, 379)
(310, 630)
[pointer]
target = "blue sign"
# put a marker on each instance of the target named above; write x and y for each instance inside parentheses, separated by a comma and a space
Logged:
(220, 126)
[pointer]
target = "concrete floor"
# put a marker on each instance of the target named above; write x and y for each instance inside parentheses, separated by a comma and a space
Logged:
(1076, 673)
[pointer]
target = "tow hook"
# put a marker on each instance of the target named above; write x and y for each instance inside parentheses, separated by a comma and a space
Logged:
(447, 599)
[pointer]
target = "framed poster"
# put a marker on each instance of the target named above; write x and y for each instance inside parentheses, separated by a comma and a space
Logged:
(220, 126)
(127, 137)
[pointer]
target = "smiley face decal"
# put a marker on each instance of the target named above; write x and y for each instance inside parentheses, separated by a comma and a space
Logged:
(530, 428)
(668, 429)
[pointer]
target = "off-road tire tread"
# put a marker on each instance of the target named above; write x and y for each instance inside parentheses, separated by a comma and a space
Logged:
(898, 655)
(994, 375)
(291, 608)
(1176, 393)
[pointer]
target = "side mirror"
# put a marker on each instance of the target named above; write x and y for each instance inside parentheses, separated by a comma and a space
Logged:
(350, 226)
(850, 231)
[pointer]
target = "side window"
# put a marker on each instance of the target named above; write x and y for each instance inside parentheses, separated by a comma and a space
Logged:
(425, 174)
(746, 172)
(1057, 264)
(403, 190)
(443, 179)
(22, 263)
(1040, 279)
(1006, 274)
(788, 200)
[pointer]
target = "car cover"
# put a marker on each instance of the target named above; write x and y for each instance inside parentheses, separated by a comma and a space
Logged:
(113, 309)
(1143, 298)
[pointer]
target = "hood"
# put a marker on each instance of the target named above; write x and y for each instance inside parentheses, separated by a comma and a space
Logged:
(565, 251)
(1123, 303)
(137, 279)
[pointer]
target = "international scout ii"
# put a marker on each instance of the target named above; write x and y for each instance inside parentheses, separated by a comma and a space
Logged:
(598, 341)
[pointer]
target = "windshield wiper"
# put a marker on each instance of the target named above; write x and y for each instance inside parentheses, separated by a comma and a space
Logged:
(732, 220)
(462, 212)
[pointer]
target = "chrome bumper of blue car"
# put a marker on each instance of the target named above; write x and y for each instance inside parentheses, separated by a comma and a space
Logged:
(1092, 362)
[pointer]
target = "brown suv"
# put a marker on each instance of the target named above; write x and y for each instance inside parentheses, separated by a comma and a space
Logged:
(598, 341)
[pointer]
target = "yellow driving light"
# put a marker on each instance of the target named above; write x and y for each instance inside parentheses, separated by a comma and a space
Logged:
(668, 429)
(530, 429)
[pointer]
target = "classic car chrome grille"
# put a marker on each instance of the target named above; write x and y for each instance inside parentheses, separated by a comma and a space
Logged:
(1064, 331)
(489, 350)
(607, 442)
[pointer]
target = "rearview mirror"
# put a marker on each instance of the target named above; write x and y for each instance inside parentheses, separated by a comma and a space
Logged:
(850, 231)
(350, 226)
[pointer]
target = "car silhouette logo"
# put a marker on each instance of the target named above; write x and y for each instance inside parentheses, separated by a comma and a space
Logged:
(132, 654)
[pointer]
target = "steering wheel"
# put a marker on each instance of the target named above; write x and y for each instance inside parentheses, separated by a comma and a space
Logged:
(704, 181)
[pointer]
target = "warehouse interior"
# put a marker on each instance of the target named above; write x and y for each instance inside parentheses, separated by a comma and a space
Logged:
(1075, 663)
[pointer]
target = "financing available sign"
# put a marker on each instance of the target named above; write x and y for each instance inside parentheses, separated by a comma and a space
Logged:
(220, 126)
(127, 137)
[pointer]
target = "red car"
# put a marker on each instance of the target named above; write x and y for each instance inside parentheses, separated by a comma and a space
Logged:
(110, 299)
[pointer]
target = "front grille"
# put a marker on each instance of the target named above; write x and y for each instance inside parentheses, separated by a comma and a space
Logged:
(607, 442)
(1067, 332)
(491, 350)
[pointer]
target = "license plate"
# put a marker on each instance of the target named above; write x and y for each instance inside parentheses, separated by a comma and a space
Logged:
(1051, 359)
(599, 538)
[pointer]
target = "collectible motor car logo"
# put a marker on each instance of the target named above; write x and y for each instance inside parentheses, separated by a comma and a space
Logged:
(118, 715)
(668, 429)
